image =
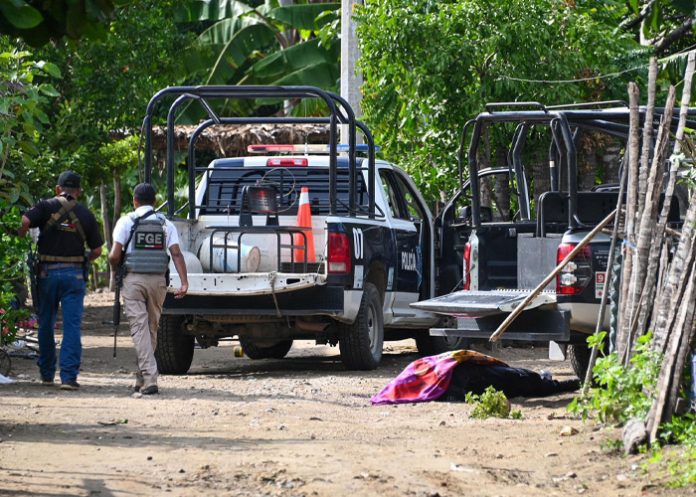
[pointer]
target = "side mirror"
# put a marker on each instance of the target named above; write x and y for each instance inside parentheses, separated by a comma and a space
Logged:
(486, 214)
(465, 214)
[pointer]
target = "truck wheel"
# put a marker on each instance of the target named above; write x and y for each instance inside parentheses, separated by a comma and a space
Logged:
(361, 343)
(174, 351)
(430, 345)
(275, 351)
(580, 358)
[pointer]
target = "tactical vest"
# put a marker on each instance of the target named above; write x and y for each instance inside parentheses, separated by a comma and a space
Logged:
(65, 212)
(149, 241)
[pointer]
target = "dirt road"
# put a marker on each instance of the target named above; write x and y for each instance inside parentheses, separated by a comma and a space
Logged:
(302, 426)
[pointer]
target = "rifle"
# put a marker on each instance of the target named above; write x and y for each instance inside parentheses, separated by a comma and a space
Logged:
(116, 318)
(33, 263)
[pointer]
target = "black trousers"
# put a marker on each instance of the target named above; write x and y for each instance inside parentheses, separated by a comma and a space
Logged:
(513, 382)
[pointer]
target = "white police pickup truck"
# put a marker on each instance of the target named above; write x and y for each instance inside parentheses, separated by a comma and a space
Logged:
(248, 252)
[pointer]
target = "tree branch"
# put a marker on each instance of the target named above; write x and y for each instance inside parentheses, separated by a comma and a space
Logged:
(665, 41)
(632, 23)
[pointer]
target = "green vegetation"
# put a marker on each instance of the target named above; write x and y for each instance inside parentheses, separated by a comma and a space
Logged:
(12, 270)
(491, 404)
(622, 392)
(26, 92)
(266, 43)
(430, 66)
(37, 22)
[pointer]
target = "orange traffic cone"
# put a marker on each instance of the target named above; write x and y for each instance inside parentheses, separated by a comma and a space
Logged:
(304, 220)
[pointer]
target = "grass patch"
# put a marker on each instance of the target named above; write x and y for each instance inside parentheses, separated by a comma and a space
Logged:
(491, 404)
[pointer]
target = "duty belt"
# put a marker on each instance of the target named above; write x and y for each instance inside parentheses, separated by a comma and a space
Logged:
(60, 265)
(62, 258)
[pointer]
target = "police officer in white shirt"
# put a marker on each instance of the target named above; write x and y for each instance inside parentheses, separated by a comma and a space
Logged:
(141, 240)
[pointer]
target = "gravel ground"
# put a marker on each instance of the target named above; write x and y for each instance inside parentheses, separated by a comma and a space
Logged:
(302, 426)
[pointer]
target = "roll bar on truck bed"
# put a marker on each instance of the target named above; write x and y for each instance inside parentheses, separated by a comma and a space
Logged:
(339, 112)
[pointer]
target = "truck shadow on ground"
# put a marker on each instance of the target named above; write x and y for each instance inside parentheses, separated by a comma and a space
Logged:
(307, 365)
(129, 436)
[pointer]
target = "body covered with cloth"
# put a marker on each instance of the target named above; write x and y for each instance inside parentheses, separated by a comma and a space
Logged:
(451, 375)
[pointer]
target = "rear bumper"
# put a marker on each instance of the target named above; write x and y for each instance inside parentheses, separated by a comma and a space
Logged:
(530, 326)
(583, 316)
(250, 284)
(326, 300)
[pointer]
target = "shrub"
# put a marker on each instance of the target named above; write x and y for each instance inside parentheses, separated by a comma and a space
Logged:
(620, 392)
(12, 271)
(491, 403)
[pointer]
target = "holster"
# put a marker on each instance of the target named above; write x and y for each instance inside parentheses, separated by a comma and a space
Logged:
(85, 269)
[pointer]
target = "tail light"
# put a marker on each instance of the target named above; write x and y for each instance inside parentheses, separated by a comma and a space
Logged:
(576, 275)
(287, 161)
(339, 254)
(466, 277)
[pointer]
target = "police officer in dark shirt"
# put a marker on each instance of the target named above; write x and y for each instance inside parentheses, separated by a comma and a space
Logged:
(65, 228)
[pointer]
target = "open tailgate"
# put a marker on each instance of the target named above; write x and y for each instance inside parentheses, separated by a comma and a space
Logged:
(479, 313)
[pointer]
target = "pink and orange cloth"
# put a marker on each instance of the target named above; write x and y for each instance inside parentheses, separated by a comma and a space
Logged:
(428, 378)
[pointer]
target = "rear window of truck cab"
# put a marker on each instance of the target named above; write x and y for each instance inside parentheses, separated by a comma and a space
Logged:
(225, 184)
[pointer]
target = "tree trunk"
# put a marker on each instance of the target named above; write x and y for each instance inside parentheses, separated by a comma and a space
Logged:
(646, 226)
(106, 221)
(647, 135)
(669, 378)
(649, 288)
(107, 226)
(629, 217)
(502, 188)
(484, 160)
(611, 160)
(672, 290)
(587, 162)
(118, 200)
(540, 175)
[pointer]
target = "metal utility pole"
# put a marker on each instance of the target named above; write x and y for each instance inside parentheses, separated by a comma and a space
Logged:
(350, 80)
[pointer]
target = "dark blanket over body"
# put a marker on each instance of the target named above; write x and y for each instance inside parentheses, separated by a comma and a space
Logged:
(513, 382)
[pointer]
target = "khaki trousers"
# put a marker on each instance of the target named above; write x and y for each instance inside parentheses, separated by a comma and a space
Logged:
(143, 296)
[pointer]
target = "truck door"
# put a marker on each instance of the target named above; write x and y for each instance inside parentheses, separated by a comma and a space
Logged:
(496, 237)
(407, 224)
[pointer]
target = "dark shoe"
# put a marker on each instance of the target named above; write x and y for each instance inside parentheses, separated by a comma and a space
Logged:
(136, 388)
(47, 382)
(70, 385)
(568, 385)
(151, 390)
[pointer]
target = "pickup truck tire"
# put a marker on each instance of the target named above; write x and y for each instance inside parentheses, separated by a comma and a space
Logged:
(429, 345)
(361, 343)
(579, 355)
(275, 351)
(174, 351)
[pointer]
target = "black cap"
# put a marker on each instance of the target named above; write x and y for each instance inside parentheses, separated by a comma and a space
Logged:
(69, 179)
(144, 193)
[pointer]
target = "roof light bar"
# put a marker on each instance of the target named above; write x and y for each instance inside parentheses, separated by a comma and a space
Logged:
(307, 148)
